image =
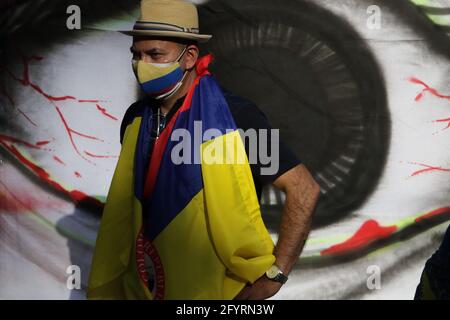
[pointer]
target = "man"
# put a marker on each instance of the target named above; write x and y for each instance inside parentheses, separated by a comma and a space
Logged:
(190, 230)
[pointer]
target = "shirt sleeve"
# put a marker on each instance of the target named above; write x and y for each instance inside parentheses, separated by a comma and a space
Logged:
(132, 112)
(248, 116)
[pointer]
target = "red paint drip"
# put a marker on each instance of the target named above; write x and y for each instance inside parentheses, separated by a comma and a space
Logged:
(58, 160)
(41, 143)
(99, 156)
(90, 101)
(427, 169)
(4, 138)
(50, 97)
(75, 195)
(25, 61)
(369, 232)
(427, 88)
(25, 81)
(444, 121)
(105, 113)
(69, 132)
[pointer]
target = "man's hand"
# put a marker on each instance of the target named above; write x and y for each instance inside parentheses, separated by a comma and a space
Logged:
(261, 289)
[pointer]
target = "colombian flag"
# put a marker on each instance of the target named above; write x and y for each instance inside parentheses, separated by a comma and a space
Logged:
(182, 231)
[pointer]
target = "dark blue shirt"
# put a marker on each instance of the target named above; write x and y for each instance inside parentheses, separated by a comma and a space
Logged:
(246, 116)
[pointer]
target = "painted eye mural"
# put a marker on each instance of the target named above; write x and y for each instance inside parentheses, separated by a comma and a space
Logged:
(317, 83)
(367, 110)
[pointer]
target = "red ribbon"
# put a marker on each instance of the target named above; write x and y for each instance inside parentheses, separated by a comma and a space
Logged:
(201, 66)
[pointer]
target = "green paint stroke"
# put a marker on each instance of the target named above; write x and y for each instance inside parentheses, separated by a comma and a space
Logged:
(442, 20)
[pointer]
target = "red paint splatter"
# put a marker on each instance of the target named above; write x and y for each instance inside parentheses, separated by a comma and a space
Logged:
(370, 231)
(6, 138)
(444, 121)
(104, 112)
(433, 213)
(70, 131)
(77, 174)
(427, 169)
(50, 97)
(91, 101)
(427, 88)
(41, 143)
(99, 156)
(75, 195)
(58, 160)
(25, 81)
(15, 140)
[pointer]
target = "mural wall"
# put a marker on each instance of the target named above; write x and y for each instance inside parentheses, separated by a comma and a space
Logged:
(359, 88)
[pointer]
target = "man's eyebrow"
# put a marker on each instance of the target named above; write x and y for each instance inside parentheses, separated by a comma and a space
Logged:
(153, 50)
(150, 51)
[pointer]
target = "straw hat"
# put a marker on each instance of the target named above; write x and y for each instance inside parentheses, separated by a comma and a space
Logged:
(168, 18)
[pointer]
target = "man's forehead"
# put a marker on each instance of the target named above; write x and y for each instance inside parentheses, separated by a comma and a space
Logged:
(152, 43)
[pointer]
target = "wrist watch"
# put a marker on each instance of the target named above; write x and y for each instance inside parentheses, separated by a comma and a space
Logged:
(275, 274)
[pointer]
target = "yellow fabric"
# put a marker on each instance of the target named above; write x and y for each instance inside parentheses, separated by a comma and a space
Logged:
(210, 250)
(113, 271)
(236, 227)
(221, 245)
(147, 71)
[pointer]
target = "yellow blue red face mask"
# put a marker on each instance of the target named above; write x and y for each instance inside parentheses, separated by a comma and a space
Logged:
(159, 80)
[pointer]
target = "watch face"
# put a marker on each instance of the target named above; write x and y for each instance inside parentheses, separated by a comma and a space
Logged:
(272, 272)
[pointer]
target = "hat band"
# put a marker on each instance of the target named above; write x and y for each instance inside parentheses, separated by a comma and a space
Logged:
(158, 26)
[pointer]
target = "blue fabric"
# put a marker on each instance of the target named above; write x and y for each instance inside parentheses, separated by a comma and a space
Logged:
(163, 84)
(176, 185)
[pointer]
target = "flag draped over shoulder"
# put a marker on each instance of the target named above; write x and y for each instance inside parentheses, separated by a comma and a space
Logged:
(182, 230)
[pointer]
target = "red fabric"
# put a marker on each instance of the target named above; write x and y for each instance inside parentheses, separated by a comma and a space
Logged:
(201, 66)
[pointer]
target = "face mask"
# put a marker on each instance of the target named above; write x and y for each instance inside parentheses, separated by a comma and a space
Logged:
(159, 80)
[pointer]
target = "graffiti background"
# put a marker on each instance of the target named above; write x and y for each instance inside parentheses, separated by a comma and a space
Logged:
(366, 109)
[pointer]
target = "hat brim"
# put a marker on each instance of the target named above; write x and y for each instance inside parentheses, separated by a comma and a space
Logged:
(170, 34)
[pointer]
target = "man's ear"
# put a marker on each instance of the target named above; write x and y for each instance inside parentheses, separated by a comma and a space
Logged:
(191, 56)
